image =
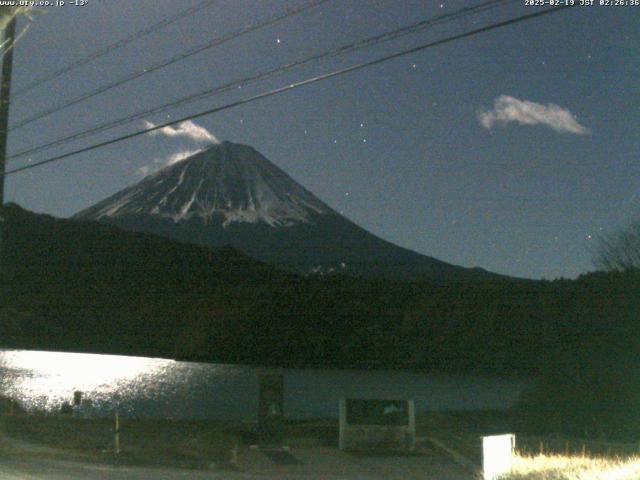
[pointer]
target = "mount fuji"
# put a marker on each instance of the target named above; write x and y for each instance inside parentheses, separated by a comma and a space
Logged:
(230, 194)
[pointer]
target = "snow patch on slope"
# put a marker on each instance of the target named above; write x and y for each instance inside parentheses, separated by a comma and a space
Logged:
(229, 183)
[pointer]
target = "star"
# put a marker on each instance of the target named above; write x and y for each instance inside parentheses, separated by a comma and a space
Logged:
(364, 140)
(277, 40)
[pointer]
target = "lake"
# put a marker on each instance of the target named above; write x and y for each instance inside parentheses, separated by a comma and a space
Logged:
(152, 387)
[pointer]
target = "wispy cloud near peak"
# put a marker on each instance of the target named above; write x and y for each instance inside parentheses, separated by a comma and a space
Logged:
(187, 129)
(160, 163)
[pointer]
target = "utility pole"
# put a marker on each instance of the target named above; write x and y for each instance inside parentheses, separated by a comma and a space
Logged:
(5, 92)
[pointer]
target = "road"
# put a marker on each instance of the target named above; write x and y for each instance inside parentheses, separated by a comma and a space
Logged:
(45, 469)
(251, 465)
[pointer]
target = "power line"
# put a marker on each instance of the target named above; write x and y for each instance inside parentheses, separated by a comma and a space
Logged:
(296, 85)
(247, 80)
(116, 45)
(165, 63)
(345, 49)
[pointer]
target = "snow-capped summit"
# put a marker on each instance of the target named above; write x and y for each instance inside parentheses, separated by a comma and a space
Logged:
(231, 195)
(228, 183)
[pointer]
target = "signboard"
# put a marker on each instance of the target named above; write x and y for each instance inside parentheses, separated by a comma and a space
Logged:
(377, 424)
(377, 412)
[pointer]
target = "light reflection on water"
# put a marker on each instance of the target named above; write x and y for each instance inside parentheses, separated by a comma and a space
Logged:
(42, 381)
(152, 387)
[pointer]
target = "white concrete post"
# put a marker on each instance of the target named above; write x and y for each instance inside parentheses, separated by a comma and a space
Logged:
(497, 455)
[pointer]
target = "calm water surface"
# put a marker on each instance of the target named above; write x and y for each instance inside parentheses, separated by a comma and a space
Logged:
(152, 387)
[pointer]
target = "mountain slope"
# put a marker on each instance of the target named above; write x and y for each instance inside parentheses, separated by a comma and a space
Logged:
(232, 195)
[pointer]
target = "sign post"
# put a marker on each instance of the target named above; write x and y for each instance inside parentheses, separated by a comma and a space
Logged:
(497, 455)
(270, 409)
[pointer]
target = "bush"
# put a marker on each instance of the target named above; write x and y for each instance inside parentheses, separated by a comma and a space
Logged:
(585, 397)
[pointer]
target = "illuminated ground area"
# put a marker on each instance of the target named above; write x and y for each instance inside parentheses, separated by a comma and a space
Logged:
(558, 467)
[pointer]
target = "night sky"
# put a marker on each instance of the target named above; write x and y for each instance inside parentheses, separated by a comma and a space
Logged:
(512, 150)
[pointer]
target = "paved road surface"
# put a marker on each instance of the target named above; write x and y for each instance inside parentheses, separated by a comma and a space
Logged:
(314, 464)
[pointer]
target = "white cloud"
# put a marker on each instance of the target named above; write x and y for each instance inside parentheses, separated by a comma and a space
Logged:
(186, 129)
(179, 156)
(160, 163)
(508, 109)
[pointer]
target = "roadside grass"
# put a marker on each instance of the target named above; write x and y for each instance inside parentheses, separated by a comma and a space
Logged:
(461, 430)
(199, 444)
(317, 432)
(142, 441)
(472, 422)
(537, 458)
(561, 467)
